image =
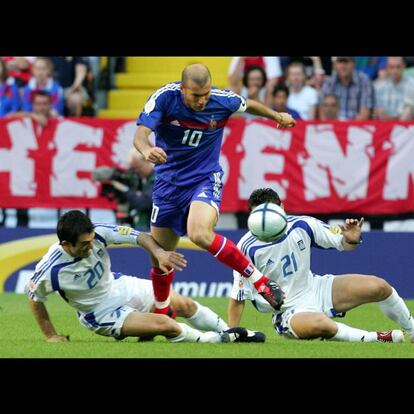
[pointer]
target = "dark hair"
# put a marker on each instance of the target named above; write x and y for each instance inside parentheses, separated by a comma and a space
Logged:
(280, 88)
(4, 72)
(41, 93)
(263, 195)
(73, 224)
(331, 95)
(251, 69)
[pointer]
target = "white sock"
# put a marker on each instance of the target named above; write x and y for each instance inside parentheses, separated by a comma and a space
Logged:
(188, 334)
(347, 334)
(255, 276)
(396, 309)
(204, 318)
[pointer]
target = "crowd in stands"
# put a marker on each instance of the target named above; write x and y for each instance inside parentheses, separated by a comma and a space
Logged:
(328, 88)
(66, 83)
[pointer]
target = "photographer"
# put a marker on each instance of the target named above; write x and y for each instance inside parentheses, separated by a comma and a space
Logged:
(132, 189)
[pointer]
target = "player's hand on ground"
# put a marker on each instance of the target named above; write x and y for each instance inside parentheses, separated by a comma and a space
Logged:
(351, 230)
(156, 155)
(58, 338)
(167, 260)
(285, 120)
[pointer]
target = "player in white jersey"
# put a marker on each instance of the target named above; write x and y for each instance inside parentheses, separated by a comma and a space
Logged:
(312, 300)
(111, 304)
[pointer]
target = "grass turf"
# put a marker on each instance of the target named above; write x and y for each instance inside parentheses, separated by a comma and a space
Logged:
(21, 338)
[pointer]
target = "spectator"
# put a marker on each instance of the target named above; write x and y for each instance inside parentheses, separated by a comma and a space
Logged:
(302, 98)
(329, 108)
(353, 88)
(42, 108)
(19, 68)
(254, 84)
(392, 92)
(312, 64)
(375, 67)
(280, 98)
(71, 72)
(42, 80)
(9, 92)
(270, 64)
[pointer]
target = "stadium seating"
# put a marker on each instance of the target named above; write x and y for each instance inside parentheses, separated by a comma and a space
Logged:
(145, 74)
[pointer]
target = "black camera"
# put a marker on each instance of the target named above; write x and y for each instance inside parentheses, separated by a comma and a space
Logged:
(130, 181)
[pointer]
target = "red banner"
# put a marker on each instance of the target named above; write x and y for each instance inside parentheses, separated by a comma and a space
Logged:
(355, 167)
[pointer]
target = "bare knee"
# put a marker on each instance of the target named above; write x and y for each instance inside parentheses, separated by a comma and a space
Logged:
(201, 236)
(323, 327)
(316, 326)
(184, 306)
(167, 326)
(381, 289)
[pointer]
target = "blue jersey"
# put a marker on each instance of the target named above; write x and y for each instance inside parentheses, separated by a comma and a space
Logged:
(191, 139)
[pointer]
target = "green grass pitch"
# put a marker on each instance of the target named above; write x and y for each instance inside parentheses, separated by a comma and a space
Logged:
(21, 338)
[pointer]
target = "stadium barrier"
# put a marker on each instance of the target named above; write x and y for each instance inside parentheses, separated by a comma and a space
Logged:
(388, 255)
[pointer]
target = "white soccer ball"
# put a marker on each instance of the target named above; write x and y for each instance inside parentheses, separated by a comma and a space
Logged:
(267, 222)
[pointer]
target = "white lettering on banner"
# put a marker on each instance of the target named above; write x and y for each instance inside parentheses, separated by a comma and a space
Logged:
(123, 143)
(224, 162)
(16, 160)
(328, 166)
(193, 289)
(400, 166)
(256, 164)
(68, 162)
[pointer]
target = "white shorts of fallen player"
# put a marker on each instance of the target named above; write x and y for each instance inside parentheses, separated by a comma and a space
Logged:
(128, 294)
(320, 302)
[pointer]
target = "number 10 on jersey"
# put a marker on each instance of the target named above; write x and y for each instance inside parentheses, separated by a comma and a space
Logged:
(192, 140)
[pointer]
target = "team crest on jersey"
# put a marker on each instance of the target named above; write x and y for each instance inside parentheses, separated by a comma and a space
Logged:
(212, 124)
(76, 277)
(100, 253)
(124, 230)
(301, 245)
(241, 283)
(149, 106)
(335, 230)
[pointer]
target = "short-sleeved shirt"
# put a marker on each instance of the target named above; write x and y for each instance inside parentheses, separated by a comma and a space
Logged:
(191, 139)
(359, 93)
(64, 68)
(82, 282)
(287, 260)
(9, 97)
(391, 97)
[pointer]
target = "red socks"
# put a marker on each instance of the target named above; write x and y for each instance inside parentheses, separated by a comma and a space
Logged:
(229, 254)
(161, 283)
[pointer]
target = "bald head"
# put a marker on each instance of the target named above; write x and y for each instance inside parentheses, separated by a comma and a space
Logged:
(197, 73)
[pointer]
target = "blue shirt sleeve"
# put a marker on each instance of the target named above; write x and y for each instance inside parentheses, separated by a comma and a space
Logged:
(154, 110)
(236, 103)
(27, 99)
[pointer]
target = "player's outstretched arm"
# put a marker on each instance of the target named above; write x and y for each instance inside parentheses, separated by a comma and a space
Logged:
(42, 317)
(166, 260)
(234, 312)
(285, 120)
(141, 142)
(351, 232)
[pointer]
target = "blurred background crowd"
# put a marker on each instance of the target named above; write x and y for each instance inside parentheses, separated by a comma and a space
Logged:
(322, 88)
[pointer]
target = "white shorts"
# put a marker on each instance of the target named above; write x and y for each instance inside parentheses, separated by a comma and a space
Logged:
(128, 294)
(321, 301)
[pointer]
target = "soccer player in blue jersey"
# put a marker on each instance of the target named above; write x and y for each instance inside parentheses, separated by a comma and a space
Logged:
(188, 119)
(312, 300)
(112, 304)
